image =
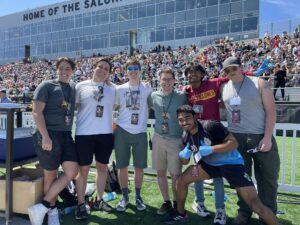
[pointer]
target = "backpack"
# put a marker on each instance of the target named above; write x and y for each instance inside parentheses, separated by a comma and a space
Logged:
(112, 180)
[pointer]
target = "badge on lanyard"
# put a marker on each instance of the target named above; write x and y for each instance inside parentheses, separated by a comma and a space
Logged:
(165, 127)
(68, 119)
(235, 101)
(198, 108)
(236, 116)
(99, 110)
(165, 116)
(134, 118)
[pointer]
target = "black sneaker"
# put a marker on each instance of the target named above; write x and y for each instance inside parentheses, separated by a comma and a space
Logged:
(80, 212)
(164, 209)
(102, 206)
(176, 217)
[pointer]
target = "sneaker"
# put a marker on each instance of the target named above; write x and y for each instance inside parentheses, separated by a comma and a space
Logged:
(121, 207)
(177, 218)
(81, 212)
(140, 206)
(220, 217)
(241, 219)
(164, 209)
(200, 209)
(102, 206)
(37, 213)
(53, 217)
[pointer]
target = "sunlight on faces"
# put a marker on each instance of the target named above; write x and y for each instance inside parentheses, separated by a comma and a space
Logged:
(232, 70)
(64, 72)
(167, 82)
(187, 121)
(133, 71)
(195, 77)
(102, 70)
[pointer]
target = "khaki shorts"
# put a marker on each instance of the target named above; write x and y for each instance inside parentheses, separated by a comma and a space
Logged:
(127, 144)
(165, 154)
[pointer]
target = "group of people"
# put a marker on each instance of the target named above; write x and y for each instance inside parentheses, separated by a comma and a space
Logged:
(217, 151)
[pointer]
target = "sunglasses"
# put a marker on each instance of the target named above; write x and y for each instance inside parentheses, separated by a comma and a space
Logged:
(133, 68)
(230, 70)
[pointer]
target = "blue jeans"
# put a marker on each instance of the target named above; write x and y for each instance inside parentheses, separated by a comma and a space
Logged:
(219, 192)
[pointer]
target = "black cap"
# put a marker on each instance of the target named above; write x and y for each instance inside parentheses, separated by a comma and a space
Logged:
(3, 90)
(231, 61)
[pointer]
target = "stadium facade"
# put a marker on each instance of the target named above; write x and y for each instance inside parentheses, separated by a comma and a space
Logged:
(86, 27)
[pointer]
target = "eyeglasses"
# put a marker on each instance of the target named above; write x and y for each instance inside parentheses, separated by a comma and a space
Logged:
(133, 68)
(230, 69)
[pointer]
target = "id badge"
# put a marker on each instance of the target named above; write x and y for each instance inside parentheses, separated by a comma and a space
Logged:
(165, 127)
(68, 120)
(99, 110)
(198, 108)
(194, 171)
(235, 101)
(134, 118)
(236, 116)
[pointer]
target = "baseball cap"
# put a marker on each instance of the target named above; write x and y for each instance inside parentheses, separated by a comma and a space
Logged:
(3, 90)
(231, 61)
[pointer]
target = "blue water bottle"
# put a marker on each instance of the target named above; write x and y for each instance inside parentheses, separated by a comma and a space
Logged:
(109, 196)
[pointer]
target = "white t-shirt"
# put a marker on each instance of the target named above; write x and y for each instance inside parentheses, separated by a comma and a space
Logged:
(132, 102)
(87, 122)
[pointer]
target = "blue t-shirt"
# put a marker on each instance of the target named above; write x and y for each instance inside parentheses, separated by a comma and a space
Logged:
(213, 133)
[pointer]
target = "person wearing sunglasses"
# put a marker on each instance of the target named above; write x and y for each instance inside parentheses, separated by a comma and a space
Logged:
(131, 132)
(203, 96)
(251, 117)
(94, 99)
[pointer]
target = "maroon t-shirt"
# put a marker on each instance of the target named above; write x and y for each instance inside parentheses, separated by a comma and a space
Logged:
(207, 95)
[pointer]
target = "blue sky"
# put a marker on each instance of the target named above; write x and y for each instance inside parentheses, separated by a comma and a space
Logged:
(271, 10)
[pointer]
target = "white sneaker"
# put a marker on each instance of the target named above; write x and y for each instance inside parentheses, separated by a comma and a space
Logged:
(220, 217)
(53, 217)
(37, 213)
(200, 209)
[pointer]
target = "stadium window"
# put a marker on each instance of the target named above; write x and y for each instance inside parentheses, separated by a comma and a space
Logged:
(152, 36)
(142, 12)
(212, 11)
(190, 15)
(114, 16)
(200, 30)
(201, 3)
(236, 7)
(123, 40)
(236, 25)
(114, 41)
(160, 35)
(201, 13)
(189, 32)
(212, 2)
(190, 4)
(224, 1)
(250, 23)
(180, 5)
(179, 17)
(212, 28)
(87, 21)
(160, 9)
(165, 19)
(251, 5)
(150, 10)
(170, 34)
(179, 33)
(170, 7)
(224, 27)
(224, 9)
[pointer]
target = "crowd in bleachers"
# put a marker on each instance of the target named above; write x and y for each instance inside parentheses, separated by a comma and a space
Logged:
(19, 77)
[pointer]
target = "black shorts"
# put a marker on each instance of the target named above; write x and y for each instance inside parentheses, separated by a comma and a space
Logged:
(234, 174)
(99, 144)
(63, 149)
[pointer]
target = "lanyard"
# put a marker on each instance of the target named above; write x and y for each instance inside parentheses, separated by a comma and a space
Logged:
(236, 94)
(165, 110)
(134, 100)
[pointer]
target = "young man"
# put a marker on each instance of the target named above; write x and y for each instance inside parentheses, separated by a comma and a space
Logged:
(204, 96)
(167, 136)
(215, 155)
(251, 117)
(3, 97)
(53, 112)
(131, 132)
(94, 100)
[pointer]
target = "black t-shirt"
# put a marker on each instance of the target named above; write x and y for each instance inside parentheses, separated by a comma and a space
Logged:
(280, 76)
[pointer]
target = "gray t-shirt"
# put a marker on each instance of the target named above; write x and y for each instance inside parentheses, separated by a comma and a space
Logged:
(167, 104)
(53, 93)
